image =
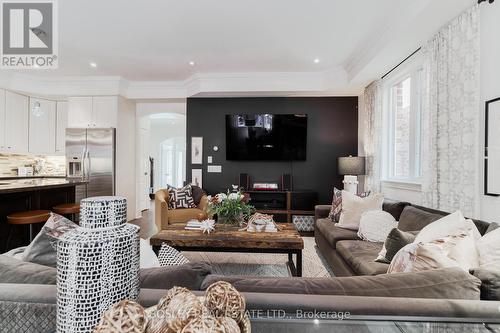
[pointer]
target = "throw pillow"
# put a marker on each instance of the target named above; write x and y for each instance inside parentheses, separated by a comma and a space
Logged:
(168, 256)
(448, 225)
(489, 250)
(354, 206)
(490, 283)
(396, 240)
(148, 257)
(451, 251)
(198, 193)
(403, 260)
(181, 197)
(42, 249)
(492, 226)
(375, 225)
(336, 209)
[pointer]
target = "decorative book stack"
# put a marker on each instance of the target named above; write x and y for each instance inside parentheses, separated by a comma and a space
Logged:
(97, 264)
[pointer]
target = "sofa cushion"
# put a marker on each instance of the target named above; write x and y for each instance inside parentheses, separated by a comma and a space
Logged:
(450, 283)
(414, 219)
(17, 271)
(360, 256)
(189, 275)
(332, 233)
(490, 283)
(395, 208)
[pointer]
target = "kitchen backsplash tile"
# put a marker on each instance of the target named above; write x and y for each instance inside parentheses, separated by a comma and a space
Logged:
(52, 165)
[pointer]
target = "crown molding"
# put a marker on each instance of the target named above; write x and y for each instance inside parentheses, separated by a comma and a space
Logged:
(329, 83)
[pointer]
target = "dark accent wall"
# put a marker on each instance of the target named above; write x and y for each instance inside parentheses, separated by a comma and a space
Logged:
(332, 132)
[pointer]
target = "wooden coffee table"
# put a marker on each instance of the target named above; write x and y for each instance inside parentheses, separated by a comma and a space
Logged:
(229, 239)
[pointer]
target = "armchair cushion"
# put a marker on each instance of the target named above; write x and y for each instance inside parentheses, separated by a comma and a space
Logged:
(198, 194)
(181, 197)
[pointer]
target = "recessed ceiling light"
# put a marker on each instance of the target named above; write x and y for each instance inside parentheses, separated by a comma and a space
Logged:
(93, 65)
(316, 61)
(192, 63)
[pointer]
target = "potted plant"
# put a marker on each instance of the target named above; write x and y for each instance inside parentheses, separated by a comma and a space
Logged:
(231, 208)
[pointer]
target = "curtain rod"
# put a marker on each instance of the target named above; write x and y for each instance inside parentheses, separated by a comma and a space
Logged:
(402, 62)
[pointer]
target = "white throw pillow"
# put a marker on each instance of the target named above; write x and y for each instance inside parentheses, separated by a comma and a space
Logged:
(489, 250)
(148, 257)
(403, 260)
(353, 207)
(449, 225)
(457, 250)
(375, 225)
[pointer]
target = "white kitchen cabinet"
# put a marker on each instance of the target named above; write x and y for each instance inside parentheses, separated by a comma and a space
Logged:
(79, 112)
(93, 112)
(2, 120)
(16, 122)
(104, 110)
(42, 126)
(61, 125)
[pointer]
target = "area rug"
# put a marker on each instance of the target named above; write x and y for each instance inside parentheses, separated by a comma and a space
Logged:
(259, 264)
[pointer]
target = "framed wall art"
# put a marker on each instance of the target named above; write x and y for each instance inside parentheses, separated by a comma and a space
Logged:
(196, 150)
(492, 148)
(196, 177)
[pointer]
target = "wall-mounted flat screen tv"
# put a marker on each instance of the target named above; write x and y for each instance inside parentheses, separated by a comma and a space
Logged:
(266, 137)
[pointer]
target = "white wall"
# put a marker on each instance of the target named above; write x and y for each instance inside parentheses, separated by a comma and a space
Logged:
(144, 110)
(490, 88)
(125, 154)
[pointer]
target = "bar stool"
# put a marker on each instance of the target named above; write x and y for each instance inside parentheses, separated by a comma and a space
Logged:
(67, 209)
(28, 217)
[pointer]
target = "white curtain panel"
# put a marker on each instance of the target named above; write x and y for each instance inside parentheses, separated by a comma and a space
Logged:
(373, 135)
(450, 117)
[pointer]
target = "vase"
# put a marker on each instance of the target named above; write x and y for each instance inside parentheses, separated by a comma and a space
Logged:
(236, 220)
(97, 264)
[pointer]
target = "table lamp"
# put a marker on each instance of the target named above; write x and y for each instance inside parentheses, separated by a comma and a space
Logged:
(350, 167)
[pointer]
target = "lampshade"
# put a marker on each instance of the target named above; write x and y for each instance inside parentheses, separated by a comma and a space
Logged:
(352, 165)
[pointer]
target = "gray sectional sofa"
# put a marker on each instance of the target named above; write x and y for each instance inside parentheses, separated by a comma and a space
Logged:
(28, 292)
(348, 255)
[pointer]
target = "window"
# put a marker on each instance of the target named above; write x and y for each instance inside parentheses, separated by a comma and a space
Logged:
(403, 105)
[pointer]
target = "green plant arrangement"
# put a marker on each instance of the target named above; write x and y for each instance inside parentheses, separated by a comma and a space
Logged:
(231, 207)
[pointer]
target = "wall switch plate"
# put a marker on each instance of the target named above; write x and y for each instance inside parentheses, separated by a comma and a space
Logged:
(209, 159)
(214, 168)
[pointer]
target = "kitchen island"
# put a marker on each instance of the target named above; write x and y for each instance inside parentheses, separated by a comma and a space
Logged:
(22, 194)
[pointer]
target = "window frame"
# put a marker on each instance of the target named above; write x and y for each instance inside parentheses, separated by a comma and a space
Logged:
(414, 70)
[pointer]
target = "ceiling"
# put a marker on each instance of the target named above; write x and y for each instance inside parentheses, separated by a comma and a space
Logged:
(154, 40)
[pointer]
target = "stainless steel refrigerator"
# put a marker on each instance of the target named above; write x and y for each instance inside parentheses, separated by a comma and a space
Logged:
(90, 155)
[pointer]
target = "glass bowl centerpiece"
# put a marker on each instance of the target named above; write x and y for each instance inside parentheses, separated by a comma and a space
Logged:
(231, 208)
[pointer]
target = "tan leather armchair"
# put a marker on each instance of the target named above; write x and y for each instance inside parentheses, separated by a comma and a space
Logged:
(165, 216)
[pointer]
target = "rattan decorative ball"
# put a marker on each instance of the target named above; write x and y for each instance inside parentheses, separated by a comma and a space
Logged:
(123, 317)
(171, 293)
(185, 306)
(162, 324)
(223, 300)
(204, 324)
(230, 325)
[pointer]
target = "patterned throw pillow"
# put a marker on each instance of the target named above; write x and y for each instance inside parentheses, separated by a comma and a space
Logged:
(457, 250)
(181, 197)
(336, 209)
(168, 256)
